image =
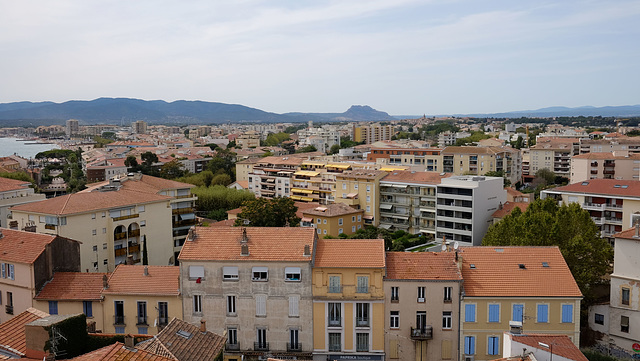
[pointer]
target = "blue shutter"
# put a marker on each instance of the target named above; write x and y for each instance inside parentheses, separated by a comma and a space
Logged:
(470, 313)
(543, 313)
(494, 345)
(567, 313)
(53, 307)
(494, 313)
(469, 345)
(517, 313)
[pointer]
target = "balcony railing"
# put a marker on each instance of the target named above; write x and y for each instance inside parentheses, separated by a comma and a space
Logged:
(121, 218)
(294, 347)
(261, 346)
(334, 289)
(141, 320)
(163, 321)
(9, 310)
(182, 210)
(334, 321)
(50, 226)
(118, 320)
(424, 333)
(123, 251)
(232, 347)
(186, 222)
(184, 196)
(362, 321)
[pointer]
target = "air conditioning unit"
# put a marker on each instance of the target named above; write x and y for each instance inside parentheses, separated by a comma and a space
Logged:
(421, 300)
(468, 357)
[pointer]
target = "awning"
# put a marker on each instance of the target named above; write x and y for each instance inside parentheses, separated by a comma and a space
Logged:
(386, 206)
(391, 169)
(399, 185)
(352, 195)
(297, 198)
(187, 216)
(300, 190)
(399, 216)
(386, 226)
(306, 173)
(306, 199)
(306, 219)
(339, 166)
(368, 217)
(313, 163)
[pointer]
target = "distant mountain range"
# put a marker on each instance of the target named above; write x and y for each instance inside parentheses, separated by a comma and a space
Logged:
(125, 110)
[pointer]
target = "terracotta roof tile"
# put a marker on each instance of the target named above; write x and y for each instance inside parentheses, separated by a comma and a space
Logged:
(130, 279)
(7, 184)
(508, 207)
(117, 352)
(415, 177)
(606, 155)
(422, 266)
(613, 187)
(265, 244)
(201, 346)
(496, 272)
(21, 246)
(12, 332)
(332, 210)
(362, 174)
(350, 253)
(72, 286)
(560, 344)
(627, 234)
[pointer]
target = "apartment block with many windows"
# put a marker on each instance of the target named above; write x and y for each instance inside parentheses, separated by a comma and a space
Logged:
(360, 189)
(478, 161)
(620, 165)
(254, 284)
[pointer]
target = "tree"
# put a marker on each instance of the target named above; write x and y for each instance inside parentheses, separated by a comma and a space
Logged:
(546, 175)
(307, 149)
(172, 170)
(569, 227)
(148, 159)
(264, 212)
(498, 173)
(131, 162)
(334, 149)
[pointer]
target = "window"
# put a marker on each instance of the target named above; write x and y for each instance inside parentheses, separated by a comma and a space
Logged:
(94, 232)
(362, 342)
(340, 221)
(421, 291)
(469, 345)
(197, 303)
(395, 294)
(143, 330)
(353, 218)
(567, 313)
(87, 308)
(104, 214)
(324, 231)
(340, 230)
(95, 248)
(394, 319)
(3, 267)
(368, 209)
(324, 221)
(359, 217)
(104, 231)
(493, 345)
(196, 272)
(335, 314)
(362, 314)
(543, 313)
(294, 302)
(518, 313)
(232, 336)
(355, 186)
(368, 199)
(93, 216)
(231, 305)
(9, 272)
(142, 313)
(53, 307)
(626, 293)
(163, 313)
(446, 320)
(119, 329)
(319, 221)
(293, 340)
(335, 343)
(143, 223)
(624, 324)
(261, 305)
(353, 228)
(334, 284)
(319, 231)
(344, 185)
(230, 273)
(368, 188)
(447, 294)
(261, 339)
(470, 313)
(140, 209)
(599, 319)
(259, 274)
(292, 274)
(494, 312)
(363, 284)
(118, 312)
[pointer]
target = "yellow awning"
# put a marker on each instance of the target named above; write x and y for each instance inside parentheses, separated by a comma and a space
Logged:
(299, 190)
(339, 166)
(306, 199)
(307, 173)
(297, 198)
(391, 169)
(313, 163)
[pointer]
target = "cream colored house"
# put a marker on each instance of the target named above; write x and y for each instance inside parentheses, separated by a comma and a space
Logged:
(360, 189)
(614, 165)
(27, 262)
(12, 193)
(333, 219)
(467, 160)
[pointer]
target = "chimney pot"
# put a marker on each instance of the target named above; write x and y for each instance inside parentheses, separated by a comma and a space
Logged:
(146, 270)
(307, 250)
(128, 341)
(105, 281)
(203, 326)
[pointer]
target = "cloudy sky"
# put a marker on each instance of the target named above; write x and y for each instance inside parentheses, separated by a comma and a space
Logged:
(400, 56)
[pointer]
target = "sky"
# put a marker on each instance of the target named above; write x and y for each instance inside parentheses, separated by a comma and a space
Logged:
(403, 57)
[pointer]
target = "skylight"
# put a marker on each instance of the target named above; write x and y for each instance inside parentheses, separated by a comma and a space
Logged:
(585, 183)
(545, 264)
(184, 334)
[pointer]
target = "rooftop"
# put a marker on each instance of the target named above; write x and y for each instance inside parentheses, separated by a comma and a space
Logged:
(7, 184)
(508, 207)
(415, 177)
(516, 272)
(118, 352)
(613, 187)
(422, 266)
(332, 210)
(72, 286)
(12, 331)
(339, 253)
(22, 247)
(362, 174)
(560, 344)
(131, 279)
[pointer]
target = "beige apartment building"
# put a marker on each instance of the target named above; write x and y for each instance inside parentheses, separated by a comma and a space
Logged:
(605, 165)
(631, 144)
(372, 133)
(27, 261)
(333, 219)
(466, 160)
(254, 285)
(554, 154)
(112, 219)
(272, 176)
(12, 193)
(249, 139)
(360, 189)
(422, 305)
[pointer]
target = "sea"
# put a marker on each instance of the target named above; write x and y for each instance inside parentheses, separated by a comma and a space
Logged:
(25, 149)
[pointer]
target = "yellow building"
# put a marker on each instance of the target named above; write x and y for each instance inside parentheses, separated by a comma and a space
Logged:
(372, 133)
(333, 219)
(141, 299)
(529, 289)
(348, 299)
(360, 189)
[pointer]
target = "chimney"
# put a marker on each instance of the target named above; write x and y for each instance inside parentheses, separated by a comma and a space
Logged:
(244, 249)
(146, 270)
(129, 259)
(128, 341)
(307, 250)
(203, 326)
(105, 281)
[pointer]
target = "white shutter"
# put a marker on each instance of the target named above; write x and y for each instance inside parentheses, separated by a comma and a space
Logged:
(293, 306)
(261, 305)
(4, 274)
(196, 272)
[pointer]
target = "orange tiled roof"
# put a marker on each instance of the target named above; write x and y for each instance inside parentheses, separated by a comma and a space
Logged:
(145, 184)
(130, 279)
(415, 177)
(7, 184)
(508, 207)
(561, 345)
(21, 246)
(496, 272)
(72, 286)
(223, 223)
(422, 266)
(12, 332)
(607, 155)
(89, 201)
(117, 352)
(361, 174)
(350, 253)
(627, 234)
(265, 244)
(613, 187)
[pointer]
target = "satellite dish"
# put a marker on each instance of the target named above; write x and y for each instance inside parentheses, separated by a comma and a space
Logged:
(456, 245)
(444, 247)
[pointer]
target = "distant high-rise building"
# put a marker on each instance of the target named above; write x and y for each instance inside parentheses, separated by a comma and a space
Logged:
(139, 127)
(72, 127)
(372, 133)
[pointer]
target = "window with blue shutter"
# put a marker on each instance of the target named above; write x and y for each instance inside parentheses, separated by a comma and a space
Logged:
(518, 311)
(53, 307)
(494, 345)
(567, 313)
(469, 345)
(543, 313)
(470, 313)
(494, 313)
(87, 308)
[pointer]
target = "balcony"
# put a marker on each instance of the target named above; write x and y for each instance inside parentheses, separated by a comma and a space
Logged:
(363, 289)
(294, 347)
(334, 289)
(124, 235)
(123, 251)
(122, 218)
(598, 220)
(421, 334)
(163, 321)
(232, 347)
(613, 220)
(261, 346)
(118, 320)
(141, 320)
(613, 206)
(50, 226)
(184, 196)
(334, 321)
(593, 206)
(185, 223)
(182, 210)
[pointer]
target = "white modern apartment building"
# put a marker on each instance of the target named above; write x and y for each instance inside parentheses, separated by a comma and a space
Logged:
(12, 193)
